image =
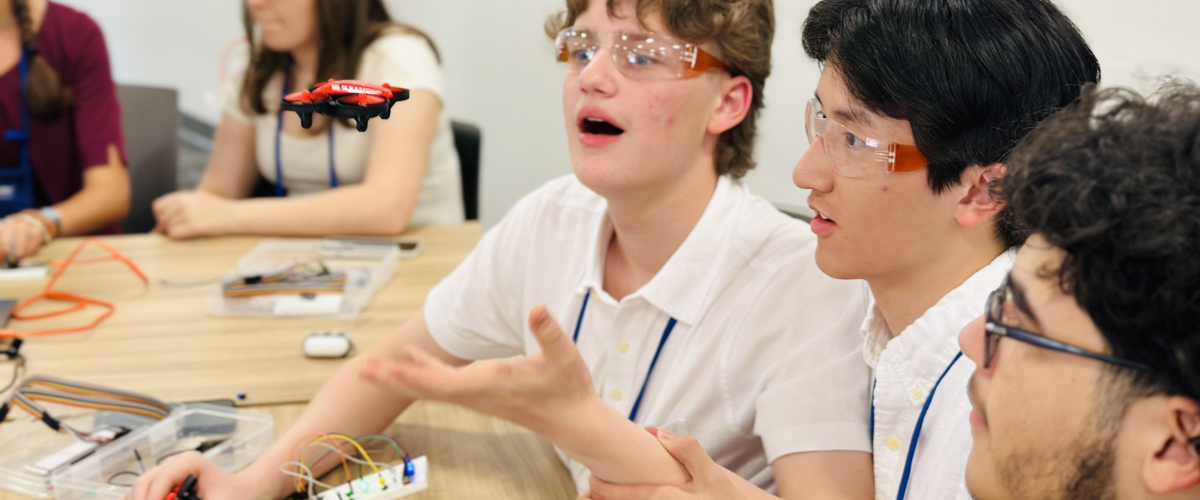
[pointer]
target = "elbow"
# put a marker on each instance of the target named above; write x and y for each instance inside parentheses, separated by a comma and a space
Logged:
(390, 216)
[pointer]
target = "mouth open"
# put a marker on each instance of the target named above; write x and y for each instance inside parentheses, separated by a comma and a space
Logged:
(597, 126)
(824, 218)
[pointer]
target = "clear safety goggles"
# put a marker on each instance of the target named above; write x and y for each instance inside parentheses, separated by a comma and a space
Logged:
(856, 156)
(641, 56)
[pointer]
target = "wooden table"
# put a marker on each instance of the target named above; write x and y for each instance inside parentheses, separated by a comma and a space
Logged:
(162, 341)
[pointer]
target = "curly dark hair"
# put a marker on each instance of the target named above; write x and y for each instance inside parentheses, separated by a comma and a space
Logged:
(972, 77)
(1114, 181)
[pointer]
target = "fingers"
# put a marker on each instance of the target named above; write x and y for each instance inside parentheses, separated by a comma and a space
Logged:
(555, 344)
(603, 490)
(688, 452)
(8, 241)
(158, 483)
(168, 212)
(28, 238)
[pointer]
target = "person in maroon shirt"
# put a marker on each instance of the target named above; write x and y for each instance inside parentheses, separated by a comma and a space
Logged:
(73, 181)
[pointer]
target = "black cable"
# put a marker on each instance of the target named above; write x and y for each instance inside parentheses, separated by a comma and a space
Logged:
(122, 473)
(169, 455)
(17, 366)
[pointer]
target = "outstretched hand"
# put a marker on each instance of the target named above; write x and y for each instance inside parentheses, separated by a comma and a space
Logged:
(535, 391)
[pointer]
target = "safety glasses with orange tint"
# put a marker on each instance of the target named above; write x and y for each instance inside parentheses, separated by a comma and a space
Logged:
(639, 55)
(856, 156)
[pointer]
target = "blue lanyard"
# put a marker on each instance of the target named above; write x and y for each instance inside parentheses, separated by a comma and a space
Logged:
(662, 342)
(18, 186)
(912, 447)
(280, 190)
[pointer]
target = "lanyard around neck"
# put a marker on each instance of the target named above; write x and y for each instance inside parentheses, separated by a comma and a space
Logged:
(912, 446)
(653, 362)
(280, 189)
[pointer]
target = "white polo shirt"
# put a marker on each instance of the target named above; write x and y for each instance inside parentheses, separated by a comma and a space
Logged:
(762, 363)
(906, 369)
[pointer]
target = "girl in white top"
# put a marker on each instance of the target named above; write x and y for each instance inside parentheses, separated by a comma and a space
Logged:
(330, 179)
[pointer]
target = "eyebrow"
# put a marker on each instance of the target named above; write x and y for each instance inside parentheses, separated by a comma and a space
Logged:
(1022, 302)
(851, 115)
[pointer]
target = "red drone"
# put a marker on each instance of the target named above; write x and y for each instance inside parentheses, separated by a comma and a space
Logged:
(345, 99)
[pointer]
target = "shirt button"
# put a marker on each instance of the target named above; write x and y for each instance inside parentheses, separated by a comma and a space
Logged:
(622, 347)
(917, 393)
(616, 394)
(892, 443)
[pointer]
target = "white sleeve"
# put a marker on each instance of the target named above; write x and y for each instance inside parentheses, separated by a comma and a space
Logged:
(403, 60)
(232, 86)
(815, 387)
(476, 312)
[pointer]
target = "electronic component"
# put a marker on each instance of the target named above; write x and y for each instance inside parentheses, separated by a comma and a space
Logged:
(23, 272)
(396, 485)
(309, 278)
(328, 345)
(351, 248)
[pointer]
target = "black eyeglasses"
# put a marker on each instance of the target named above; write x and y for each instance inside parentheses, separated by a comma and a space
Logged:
(995, 328)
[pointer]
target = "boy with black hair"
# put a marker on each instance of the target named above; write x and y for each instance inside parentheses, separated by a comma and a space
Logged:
(1087, 386)
(918, 107)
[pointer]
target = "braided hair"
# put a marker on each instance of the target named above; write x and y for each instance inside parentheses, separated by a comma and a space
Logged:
(48, 97)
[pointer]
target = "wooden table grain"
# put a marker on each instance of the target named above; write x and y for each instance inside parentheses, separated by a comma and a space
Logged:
(163, 342)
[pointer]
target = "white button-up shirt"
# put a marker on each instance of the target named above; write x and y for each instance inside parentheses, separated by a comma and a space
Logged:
(762, 363)
(906, 369)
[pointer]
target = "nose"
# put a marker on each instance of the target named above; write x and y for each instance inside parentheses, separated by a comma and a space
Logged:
(972, 341)
(600, 75)
(814, 171)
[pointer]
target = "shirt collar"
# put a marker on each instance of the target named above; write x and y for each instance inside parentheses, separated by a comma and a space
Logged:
(683, 286)
(940, 323)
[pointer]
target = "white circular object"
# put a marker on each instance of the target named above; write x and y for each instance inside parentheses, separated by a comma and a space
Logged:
(328, 345)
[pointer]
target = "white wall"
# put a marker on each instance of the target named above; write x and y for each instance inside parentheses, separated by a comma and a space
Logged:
(501, 76)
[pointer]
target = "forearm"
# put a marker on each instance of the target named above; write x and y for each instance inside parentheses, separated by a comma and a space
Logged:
(348, 210)
(752, 492)
(615, 449)
(346, 404)
(103, 201)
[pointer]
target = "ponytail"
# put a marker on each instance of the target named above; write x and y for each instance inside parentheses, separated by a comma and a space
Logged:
(48, 98)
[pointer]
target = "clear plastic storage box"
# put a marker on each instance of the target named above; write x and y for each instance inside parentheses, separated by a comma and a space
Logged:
(239, 436)
(365, 272)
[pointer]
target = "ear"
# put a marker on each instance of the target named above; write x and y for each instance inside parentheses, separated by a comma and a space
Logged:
(736, 96)
(1175, 467)
(977, 205)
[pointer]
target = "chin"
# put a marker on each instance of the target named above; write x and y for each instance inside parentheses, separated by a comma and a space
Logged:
(832, 263)
(604, 174)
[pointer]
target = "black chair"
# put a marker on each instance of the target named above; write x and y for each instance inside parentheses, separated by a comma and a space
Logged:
(150, 119)
(467, 139)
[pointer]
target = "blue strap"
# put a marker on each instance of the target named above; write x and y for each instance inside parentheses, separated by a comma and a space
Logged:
(333, 180)
(579, 322)
(280, 189)
(637, 403)
(21, 183)
(912, 447)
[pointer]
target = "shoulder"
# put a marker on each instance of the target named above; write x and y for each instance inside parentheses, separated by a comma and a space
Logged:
(399, 45)
(73, 24)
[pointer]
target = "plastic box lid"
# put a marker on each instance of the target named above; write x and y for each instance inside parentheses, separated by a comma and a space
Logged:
(107, 472)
